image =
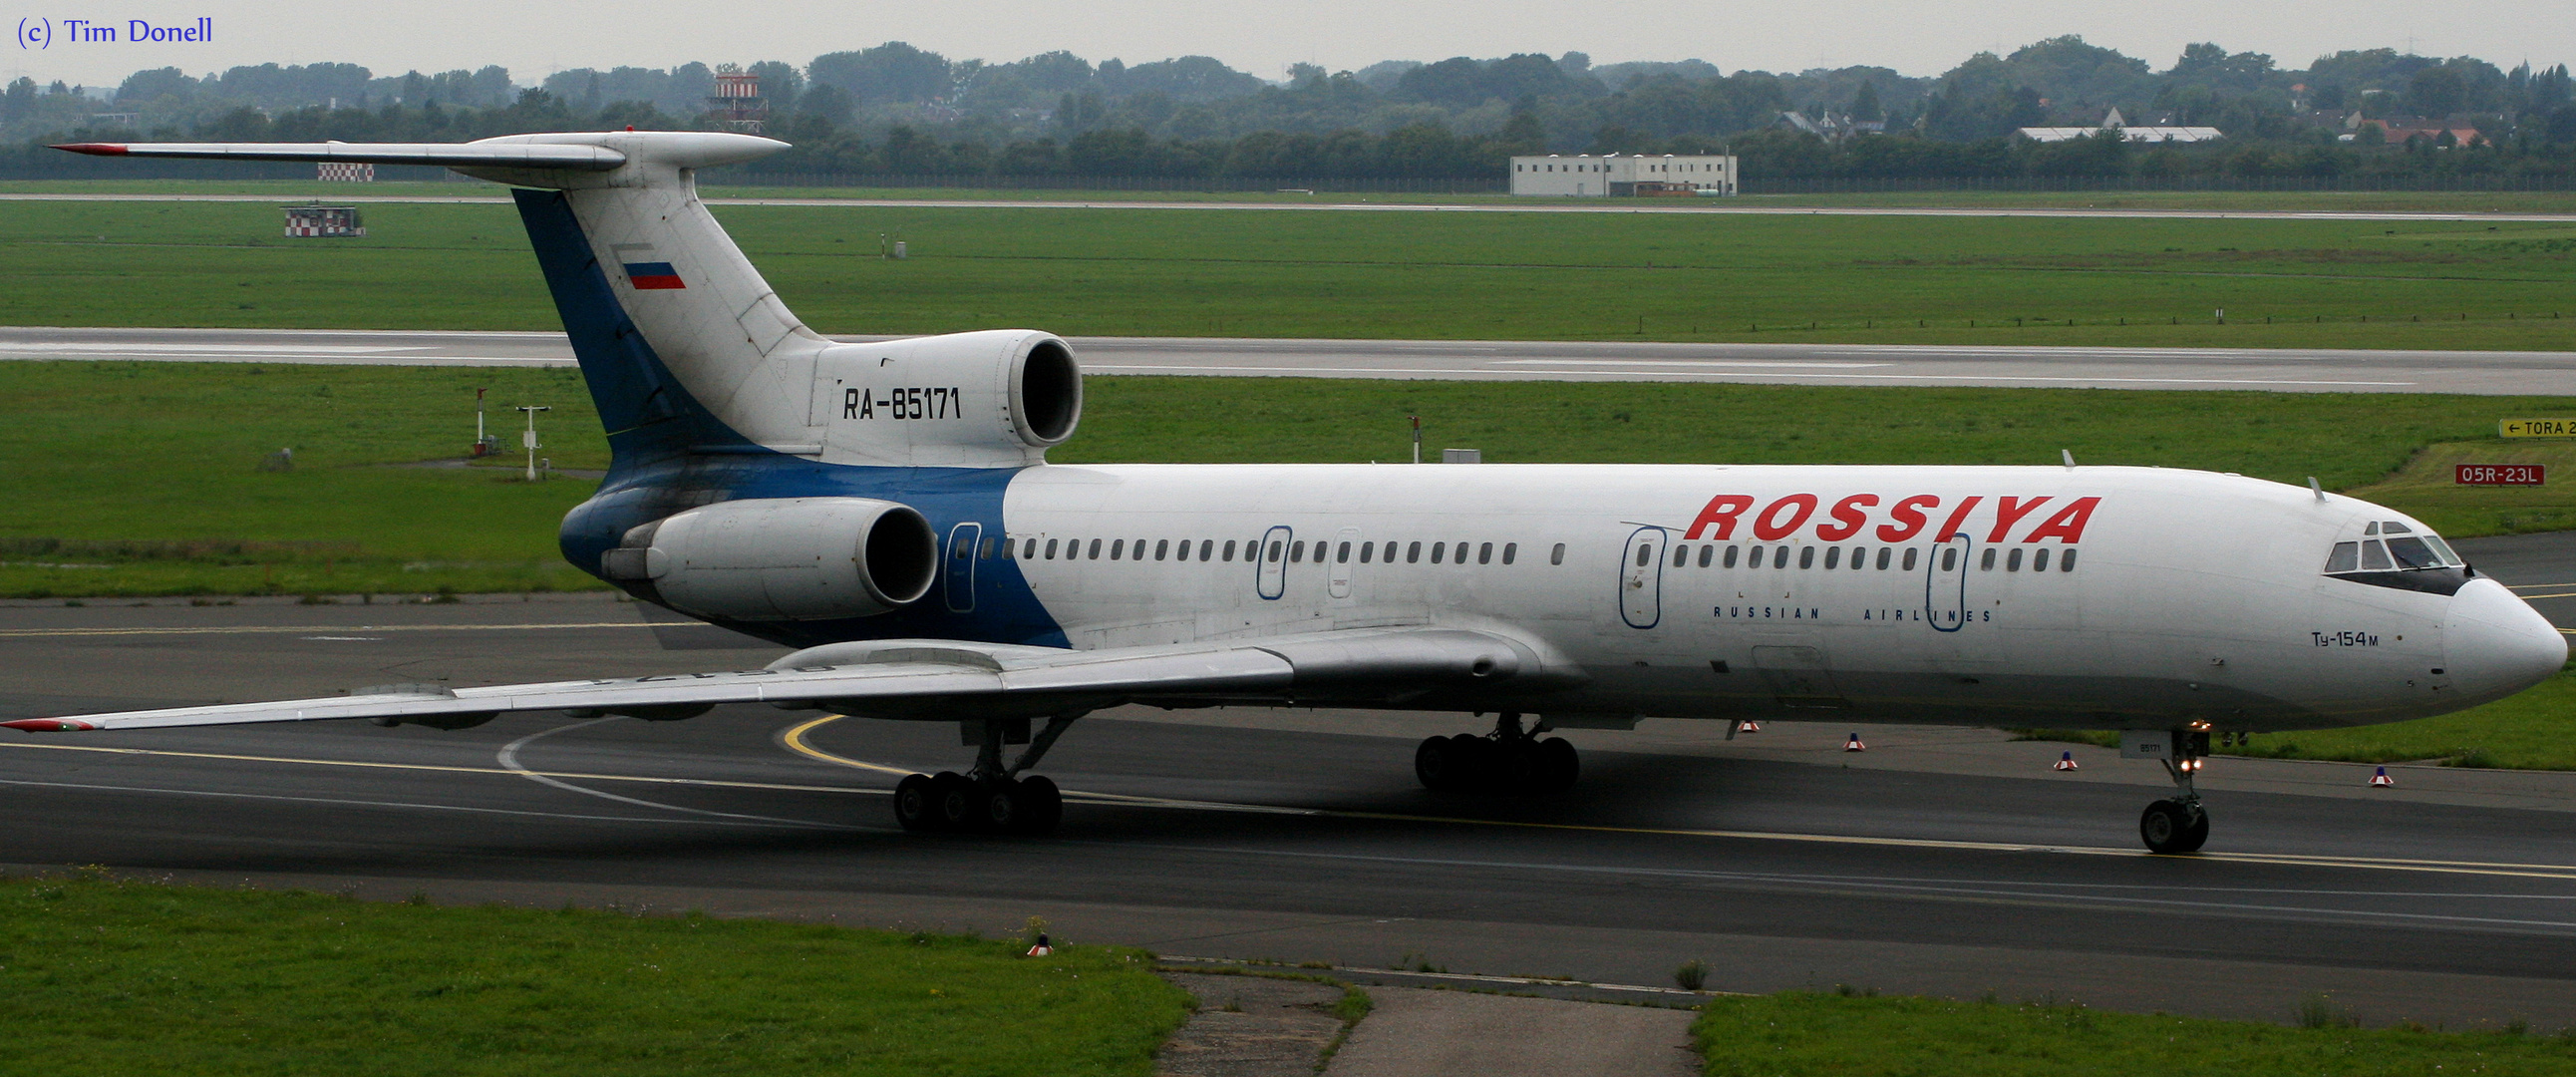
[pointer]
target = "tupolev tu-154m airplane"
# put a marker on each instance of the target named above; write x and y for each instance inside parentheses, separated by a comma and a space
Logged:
(888, 509)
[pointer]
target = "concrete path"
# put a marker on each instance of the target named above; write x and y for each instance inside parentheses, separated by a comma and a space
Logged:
(1418, 1033)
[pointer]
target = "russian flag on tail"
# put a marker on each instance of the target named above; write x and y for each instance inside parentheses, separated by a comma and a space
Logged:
(648, 276)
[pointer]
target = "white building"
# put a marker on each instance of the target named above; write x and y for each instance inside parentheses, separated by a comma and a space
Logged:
(2113, 122)
(1586, 176)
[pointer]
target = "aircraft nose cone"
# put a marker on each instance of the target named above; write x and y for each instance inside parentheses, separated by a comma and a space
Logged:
(2496, 645)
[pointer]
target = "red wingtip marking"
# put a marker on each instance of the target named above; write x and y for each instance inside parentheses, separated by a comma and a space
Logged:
(48, 725)
(102, 149)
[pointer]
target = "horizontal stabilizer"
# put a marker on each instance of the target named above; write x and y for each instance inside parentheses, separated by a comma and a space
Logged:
(487, 154)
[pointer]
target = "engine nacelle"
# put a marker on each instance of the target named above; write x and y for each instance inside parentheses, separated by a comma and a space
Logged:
(997, 398)
(782, 559)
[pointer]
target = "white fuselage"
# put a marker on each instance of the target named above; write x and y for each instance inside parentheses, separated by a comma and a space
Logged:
(2166, 595)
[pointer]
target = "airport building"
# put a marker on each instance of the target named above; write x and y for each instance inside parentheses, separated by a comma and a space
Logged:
(1587, 176)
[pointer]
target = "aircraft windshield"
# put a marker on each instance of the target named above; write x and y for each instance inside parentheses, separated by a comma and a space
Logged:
(2391, 546)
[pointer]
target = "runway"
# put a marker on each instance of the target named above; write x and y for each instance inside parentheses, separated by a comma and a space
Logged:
(2279, 370)
(1328, 204)
(1942, 861)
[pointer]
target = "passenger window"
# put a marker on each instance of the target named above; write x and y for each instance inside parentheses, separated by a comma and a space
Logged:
(1095, 549)
(1644, 552)
(1681, 555)
(1730, 556)
(1485, 554)
(1950, 559)
(1833, 556)
(989, 544)
(1050, 554)
(1756, 560)
(1806, 557)
(1030, 552)
(1413, 553)
(1341, 555)
(1860, 557)
(1557, 556)
(1276, 549)
(1297, 552)
(1706, 553)
(1118, 548)
(1909, 558)
(1367, 550)
(1883, 554)
(1510, 551)
(1436, 547)
(1987, 563)
(1229, 550)
(1779, 557)
(1208, 546)
(1162, 547)
(2374, 557)
(2012, 561)
(2039, 559)
(2411, 552)
(2066, 561)
(2345, 558)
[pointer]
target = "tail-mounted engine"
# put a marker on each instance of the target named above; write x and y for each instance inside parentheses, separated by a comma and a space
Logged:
(781, 559)
(997, 398)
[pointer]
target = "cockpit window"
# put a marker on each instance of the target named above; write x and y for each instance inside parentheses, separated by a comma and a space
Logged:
(2413, 553)
(2391, 546)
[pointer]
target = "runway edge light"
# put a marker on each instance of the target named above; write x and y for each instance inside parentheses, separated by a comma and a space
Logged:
(1854, 745)
(2381, 780)
(1041, 949)
(2065, 761)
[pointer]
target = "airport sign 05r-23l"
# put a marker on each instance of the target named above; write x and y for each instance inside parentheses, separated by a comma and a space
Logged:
(2496, 475)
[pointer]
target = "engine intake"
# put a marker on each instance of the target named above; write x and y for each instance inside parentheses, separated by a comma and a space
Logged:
(782, 559)
(996, 398)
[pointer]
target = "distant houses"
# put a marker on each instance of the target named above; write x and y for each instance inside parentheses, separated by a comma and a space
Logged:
(2128, 133)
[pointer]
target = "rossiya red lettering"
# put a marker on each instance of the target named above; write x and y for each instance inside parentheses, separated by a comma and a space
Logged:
(1721, 513)
(1768, 527)
(1950, 526)
(1849, 516)
(1909, 513)
(2009, 511)
(2068, 525)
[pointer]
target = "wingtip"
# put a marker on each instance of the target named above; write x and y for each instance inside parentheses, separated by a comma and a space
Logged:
(48, 725)
(96, 149)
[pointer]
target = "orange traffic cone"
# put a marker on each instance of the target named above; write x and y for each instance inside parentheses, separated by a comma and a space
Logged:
(1041, 949)
(1855, 745)
(2381, 780)
(2065, 761)
(1749, 727)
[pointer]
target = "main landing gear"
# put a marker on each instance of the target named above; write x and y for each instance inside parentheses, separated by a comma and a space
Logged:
(2179, 824)
(990, 798)
(1507, 760)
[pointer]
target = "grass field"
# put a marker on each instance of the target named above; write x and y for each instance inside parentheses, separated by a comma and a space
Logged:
(118, 978)
(716, 187)
(1863, 1036)
(143, 479)
(1253, 273)
(2531, 731)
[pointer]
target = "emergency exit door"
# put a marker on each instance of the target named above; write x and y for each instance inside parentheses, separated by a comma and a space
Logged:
(1641, 578)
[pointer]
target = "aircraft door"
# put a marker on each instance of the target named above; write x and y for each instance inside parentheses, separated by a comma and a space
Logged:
(1945, 584)
(1272, 576)
(960, 573)
(1641, 578)
(1337, 572)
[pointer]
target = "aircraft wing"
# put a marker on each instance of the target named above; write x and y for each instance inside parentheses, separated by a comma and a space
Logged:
(934, 679)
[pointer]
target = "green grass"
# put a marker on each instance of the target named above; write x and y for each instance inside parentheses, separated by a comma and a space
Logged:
(1864, 1036)
(151, 469)
(122, 977)
(1452, 276)
(2532, 731)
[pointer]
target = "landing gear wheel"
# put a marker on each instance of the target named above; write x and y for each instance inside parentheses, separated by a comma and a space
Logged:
(998, 806)
(952, 800)
(1558, 765)
(913, 805)
(1041, 806)
(2173, 827)
(1438, 764)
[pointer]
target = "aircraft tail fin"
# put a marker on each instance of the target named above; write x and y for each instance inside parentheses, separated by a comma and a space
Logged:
(684, 346)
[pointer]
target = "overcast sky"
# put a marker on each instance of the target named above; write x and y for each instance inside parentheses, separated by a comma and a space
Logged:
(1917, 37)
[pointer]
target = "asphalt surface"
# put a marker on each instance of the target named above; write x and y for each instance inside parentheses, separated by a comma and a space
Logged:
(1941, 861)
(2285, 370)
(1326, 203)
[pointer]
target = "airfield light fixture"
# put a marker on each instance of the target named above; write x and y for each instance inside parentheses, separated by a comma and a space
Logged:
(529, 439)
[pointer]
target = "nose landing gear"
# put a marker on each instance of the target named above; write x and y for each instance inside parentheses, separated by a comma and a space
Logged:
(1508, 760)
(990, 798)
(2179, 824)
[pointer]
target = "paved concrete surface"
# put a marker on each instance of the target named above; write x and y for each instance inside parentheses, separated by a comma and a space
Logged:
(1251, 1026)
(2284, 370)
(1411, 1032)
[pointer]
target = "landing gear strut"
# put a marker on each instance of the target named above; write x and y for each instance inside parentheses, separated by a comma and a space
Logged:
(2179, 824)
(1508, 760)
(990, 798)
